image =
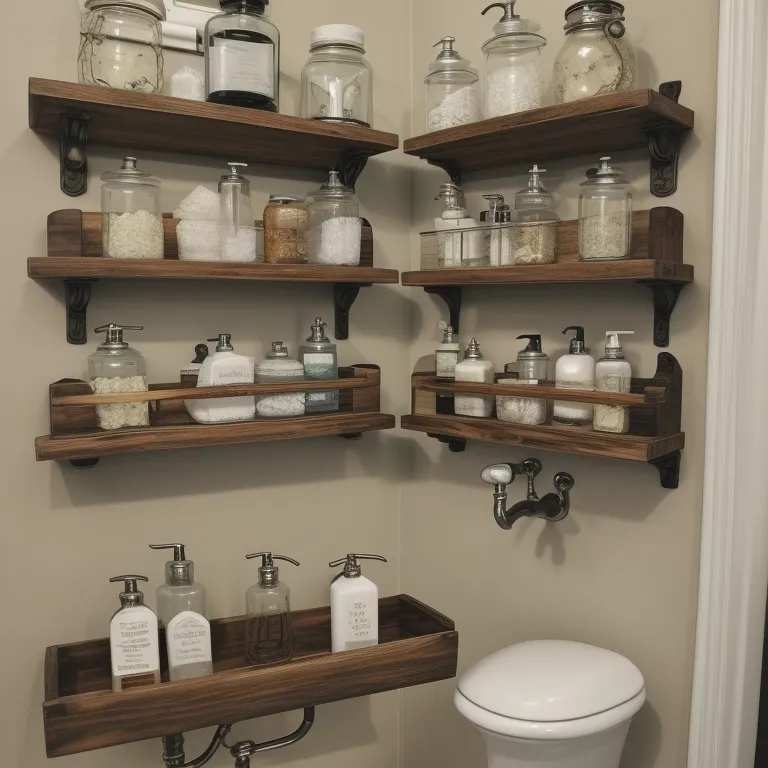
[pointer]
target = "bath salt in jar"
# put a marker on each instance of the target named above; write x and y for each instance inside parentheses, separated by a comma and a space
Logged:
(335, 228)
(278, 367)
(131, 219)
(451, 89)
(286, 218)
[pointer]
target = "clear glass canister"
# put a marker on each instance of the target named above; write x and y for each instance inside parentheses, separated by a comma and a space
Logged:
(131, 218)
(337, 81)
(276, 368)
(121, 44)
(237, 228)
(531, 368)
(514, 68)
(535, 231)
(605, 214)
(451, 89)
(286, 218)
(335, 228)
(116, 368)
(596, 57)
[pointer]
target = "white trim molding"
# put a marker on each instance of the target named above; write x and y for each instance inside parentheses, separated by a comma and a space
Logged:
(734, 538)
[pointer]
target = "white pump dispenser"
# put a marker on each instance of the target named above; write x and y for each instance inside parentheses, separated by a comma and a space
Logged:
(575, 370)
(613, 374)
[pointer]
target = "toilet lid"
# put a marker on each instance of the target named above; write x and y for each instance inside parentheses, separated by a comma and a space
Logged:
(551, 680)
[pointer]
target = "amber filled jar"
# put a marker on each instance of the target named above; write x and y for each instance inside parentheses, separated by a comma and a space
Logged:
(286, 219)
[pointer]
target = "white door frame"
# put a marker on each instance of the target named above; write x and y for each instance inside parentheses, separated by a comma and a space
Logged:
(734, 538)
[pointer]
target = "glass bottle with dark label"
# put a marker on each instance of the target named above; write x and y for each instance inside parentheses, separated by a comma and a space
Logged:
(242, 56)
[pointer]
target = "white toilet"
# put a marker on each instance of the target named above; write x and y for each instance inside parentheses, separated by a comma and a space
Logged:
(552, 704)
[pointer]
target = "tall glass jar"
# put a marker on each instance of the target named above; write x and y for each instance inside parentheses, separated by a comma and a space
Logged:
(605, 214)
(535, 232)
(335, 228)
(337, 81)
(285, 230)
(596, 57)
(277, 368)
(131, 218)
(242, 56)
(514, 68)
(451, 89)
(121, 44)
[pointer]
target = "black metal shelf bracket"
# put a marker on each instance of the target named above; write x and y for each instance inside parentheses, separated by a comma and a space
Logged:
(664, 142)
(344, 295)
(78, 296)
(669, 469)
(73, 154)
(452, 169)
(451, 295)
(455, 444)
(665, 296)
(350, 167)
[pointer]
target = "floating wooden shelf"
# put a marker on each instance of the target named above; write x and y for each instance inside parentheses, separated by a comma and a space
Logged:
(600, 125)
(417, 645)
(656, 260)
(76, 437)
(75, 255)
(654, 406)
(87, 114)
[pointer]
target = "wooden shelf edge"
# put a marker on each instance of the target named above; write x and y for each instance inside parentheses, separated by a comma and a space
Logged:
(168, 438)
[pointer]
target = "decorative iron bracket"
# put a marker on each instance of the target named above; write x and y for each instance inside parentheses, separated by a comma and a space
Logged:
(452, 169)
(352, 164)
(664, 142)
(669, 469)
(665, 296)
(344, 295)
(451, 295)
(78, 296)
(73, 154)
(455, 444)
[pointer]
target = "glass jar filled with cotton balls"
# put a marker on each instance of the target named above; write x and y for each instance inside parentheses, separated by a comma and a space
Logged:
(335, 228)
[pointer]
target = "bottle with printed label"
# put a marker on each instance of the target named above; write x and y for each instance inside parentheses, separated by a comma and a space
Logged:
(354, 606)
(242, 56)
(134, 646)
(181, 610)
(320, 360)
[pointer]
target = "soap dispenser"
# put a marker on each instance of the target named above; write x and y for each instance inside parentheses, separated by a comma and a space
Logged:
(477, 370)
(278, 368)
(224, 367)
(535, 223)
(268, 631)
(613, 374)
(575, 371)
(459, 248)
(530, 368)
(134, 646)
(181, 611)
(500, 244)
(354, 605)
(237, 228)
(447, 354)
(319, 357)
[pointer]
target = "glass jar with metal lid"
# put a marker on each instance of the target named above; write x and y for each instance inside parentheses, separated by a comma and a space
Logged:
(121, 44)
(131, 218)
(335, 228)
(605, 214)
(596, 57)
(451, 89)
(531, 368)
(285, 230)
(514, 69)
(337, 81)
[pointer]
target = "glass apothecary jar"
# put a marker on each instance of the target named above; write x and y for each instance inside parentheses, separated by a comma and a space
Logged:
(286, 218)
(535, 232)
(451, 89)
(605, 214)
(131, 218)
(121, 44)
(337, 81)
(335, 228)
(237, 230)
(514, 68)
(596, 57)
(276, 368)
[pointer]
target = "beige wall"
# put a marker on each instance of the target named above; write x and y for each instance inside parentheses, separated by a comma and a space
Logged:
(621, 572)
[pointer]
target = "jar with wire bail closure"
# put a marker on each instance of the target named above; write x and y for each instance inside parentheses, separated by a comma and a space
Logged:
(451, 89)
(596, 57)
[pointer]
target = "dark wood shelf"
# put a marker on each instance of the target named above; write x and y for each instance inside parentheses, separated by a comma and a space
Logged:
(417, 645)
(654, 419)
(130, 120)
(600, 125)
(655, 260)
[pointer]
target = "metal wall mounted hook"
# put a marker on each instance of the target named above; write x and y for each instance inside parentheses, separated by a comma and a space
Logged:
(553, 507)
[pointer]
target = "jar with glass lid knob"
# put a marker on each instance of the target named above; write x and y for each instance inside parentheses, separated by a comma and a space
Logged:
(337, 80)
(335, 228)
(605, 214)
(121, 44)
(514, 68)
(451, 89)
(596, 57)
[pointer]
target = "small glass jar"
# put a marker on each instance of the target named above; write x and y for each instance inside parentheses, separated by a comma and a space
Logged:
(535, 231)
(605, 214)
(278, 367)
(131, 218)
(596, 57)
(514, 68)
(337, 81)
(286, 218)
(121, 44)
(335, 228)
(451, 89)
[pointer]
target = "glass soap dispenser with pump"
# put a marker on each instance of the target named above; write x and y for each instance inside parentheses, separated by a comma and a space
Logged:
(278, 367)
(456, 248)
(237, 228)
(613, 374)
(499, 216)
(535, 223)
(451, 89)
(319, 357)
(181, 608)
(268, 629)
(530, 368)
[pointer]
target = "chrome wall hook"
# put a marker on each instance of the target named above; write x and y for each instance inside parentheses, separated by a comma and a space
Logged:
(553, 507)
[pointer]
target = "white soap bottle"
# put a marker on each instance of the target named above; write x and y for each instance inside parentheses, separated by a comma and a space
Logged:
(460, 248)
(224, 367)
(575, 370)
(134, 645)
(613, 374)
(476, 370)
(354, 606)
